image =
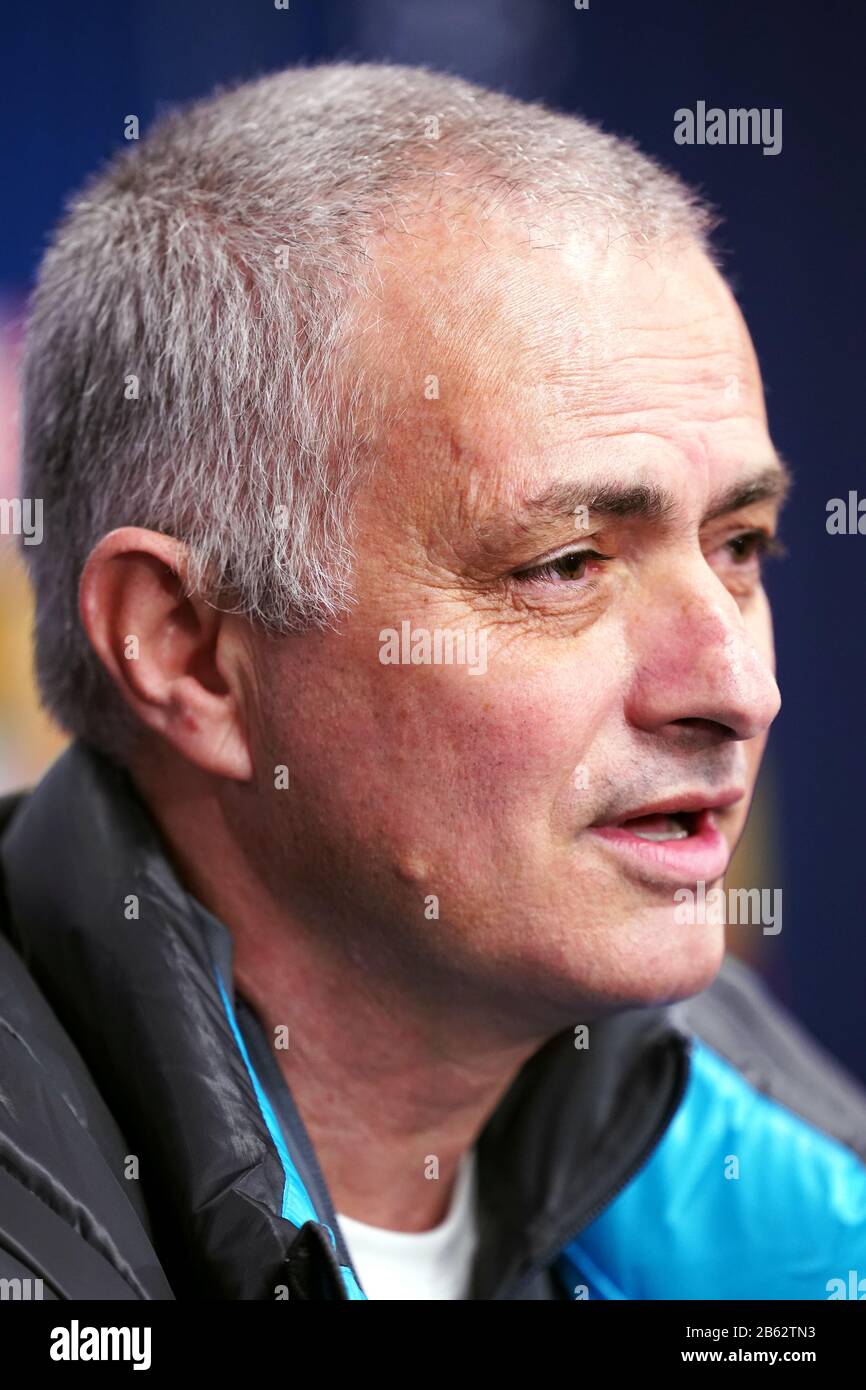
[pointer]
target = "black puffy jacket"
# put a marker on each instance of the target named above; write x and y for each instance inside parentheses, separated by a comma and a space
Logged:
(149, 1148)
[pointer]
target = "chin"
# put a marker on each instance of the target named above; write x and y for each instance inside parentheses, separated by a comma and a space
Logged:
(656, 961)
(682, 967)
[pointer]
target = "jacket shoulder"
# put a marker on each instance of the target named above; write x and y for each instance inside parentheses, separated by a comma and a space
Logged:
(68, 1214)
(743, 1023)
(758, 1187)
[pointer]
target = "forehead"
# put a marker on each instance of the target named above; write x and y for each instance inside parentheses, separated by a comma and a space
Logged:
(508, 356)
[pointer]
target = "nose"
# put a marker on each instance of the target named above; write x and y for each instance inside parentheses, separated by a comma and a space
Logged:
(697, 664)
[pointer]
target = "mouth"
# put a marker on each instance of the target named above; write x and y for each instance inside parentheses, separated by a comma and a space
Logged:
(675, 841)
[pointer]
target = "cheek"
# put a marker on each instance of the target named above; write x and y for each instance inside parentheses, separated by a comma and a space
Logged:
(521, 733)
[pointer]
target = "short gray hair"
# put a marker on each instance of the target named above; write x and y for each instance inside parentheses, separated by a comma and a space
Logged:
(187, 365)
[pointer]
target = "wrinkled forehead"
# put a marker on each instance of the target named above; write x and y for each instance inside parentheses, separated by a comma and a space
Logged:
(505, 352)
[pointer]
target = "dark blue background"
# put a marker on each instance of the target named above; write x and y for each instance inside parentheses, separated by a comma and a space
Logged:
(793, 224)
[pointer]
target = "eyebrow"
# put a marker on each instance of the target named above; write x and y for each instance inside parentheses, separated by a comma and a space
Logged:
(771, 484)
(644, 501)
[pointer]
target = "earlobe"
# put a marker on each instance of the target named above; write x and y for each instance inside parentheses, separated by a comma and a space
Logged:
(169, 654)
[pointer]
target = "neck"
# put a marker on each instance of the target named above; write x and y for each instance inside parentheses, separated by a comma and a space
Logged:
(394, 1073)
(386, 1091)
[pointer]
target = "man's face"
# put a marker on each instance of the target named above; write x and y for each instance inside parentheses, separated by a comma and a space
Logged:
(572, 492)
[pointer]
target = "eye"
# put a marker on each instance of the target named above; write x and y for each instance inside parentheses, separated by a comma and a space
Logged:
(752, 545)
(562, 569)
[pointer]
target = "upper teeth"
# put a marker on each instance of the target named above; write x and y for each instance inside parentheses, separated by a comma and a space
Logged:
(675, 831)
(680, 833)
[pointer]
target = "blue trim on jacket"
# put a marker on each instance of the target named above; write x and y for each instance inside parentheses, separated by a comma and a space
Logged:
(297, 1205)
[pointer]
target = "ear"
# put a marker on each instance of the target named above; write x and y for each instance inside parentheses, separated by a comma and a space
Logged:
(177, 662)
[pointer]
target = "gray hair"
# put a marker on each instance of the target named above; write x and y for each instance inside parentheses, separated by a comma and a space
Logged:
(187, 364)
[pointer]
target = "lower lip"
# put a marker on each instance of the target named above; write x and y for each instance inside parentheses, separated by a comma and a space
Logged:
(704, 855)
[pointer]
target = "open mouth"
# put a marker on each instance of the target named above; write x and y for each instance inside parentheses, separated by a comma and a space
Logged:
(676, 825)
(672, 844)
